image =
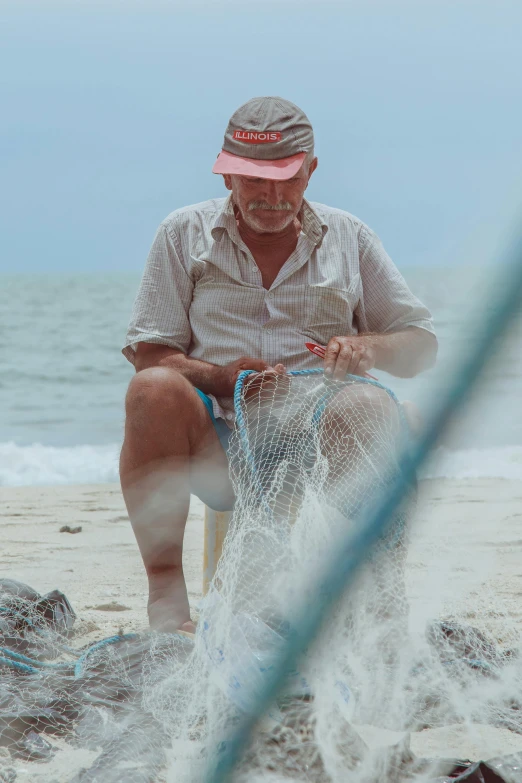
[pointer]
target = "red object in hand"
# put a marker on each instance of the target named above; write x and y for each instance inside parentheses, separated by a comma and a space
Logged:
(320, 350)
(317, 349)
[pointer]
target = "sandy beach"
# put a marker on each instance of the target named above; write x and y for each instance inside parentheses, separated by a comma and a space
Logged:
(465, 561)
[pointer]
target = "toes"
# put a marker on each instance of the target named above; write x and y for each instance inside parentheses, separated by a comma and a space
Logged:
(171, 626)
(188, 626)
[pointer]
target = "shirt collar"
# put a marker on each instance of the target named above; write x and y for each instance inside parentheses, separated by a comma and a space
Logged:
(311, 224)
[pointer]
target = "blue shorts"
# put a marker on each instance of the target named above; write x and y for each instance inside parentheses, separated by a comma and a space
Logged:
(223, 431)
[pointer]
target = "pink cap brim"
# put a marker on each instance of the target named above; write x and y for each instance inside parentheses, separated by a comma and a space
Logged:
(284, 168)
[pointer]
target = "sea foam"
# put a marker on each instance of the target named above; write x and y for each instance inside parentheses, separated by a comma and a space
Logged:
(47, 465)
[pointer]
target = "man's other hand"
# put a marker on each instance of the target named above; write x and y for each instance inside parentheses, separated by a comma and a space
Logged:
(226, 376)
(353, 355)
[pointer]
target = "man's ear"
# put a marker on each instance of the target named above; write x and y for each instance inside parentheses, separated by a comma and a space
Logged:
(313, 166)
(228, 181)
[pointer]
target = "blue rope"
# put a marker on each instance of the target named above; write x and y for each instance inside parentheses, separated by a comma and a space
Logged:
(26, 665)
(80, 663)
(352, 552)
(31, 662)
(243, 434)
(19, 667)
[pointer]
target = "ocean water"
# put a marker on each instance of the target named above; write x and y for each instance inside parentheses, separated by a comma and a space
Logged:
(63, 377)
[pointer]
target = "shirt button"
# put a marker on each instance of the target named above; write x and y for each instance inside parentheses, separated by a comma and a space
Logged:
(229, 416)
(269, 331)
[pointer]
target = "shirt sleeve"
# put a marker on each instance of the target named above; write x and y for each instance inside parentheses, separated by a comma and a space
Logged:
(160, 313)
(386, 303)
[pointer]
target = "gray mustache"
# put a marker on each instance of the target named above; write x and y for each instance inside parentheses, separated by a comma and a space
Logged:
(283, 205)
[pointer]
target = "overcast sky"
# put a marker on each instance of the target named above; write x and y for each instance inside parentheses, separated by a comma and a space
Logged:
(113, 113)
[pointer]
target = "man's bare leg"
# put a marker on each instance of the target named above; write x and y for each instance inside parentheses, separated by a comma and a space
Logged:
(170, 450)
(359, 434)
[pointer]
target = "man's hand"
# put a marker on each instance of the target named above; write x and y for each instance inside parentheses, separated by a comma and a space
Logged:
(352, 355)
(403, 354)
(210, 378)
(267, 384)
(225, 377)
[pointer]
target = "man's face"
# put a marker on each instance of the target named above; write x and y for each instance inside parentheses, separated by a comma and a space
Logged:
(267, 205)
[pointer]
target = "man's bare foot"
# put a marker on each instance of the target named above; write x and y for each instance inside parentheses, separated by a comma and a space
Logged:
(168, 615)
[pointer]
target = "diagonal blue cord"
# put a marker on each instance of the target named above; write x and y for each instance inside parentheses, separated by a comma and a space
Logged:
(350, 553)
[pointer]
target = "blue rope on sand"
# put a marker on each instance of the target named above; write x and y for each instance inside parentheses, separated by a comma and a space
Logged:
(80, 663)
(28, 665)
(25, 665)
(23, 668)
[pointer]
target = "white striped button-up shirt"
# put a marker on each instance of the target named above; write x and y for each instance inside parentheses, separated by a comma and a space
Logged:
(202, 291)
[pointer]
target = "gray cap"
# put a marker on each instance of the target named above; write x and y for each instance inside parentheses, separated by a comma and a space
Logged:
(266, 137)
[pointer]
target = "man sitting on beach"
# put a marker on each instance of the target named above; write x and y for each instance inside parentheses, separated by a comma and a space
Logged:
(242, 283)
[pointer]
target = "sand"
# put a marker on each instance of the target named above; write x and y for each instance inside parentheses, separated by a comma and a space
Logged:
(466, 548)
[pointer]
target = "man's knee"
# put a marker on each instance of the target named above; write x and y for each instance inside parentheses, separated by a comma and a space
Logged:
(157, 391)
(365, 401)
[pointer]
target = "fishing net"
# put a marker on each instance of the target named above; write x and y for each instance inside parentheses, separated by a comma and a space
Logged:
(308, 459)
(90, 696)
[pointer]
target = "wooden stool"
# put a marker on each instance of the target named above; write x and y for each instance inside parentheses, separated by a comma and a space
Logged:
(216, 526)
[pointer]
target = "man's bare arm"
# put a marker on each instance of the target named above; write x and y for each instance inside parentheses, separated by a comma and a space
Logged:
(403, 354)
(210, 378)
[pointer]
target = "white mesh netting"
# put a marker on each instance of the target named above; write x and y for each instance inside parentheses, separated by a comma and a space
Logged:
(308, 458)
